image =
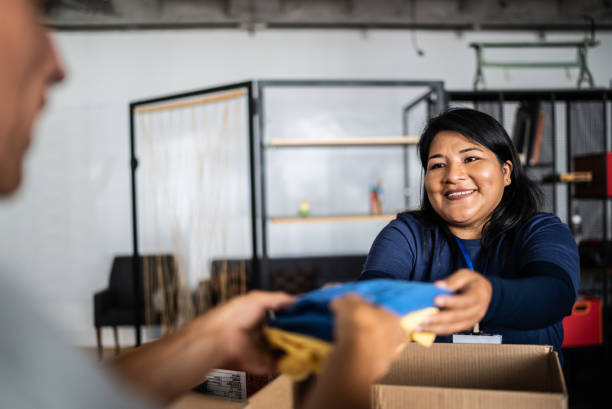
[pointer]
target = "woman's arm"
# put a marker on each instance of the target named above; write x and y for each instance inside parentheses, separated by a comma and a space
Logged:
(544, 296)
(541, 293)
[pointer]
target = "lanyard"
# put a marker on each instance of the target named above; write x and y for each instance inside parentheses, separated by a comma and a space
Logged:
(466, 257)
(476, 330)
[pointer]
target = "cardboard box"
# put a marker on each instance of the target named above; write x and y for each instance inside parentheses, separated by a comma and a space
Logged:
(600, 165)
(457, 376)
(584, 326)
(466, 376)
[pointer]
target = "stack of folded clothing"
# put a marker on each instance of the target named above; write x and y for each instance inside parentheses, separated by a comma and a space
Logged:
(304, 332)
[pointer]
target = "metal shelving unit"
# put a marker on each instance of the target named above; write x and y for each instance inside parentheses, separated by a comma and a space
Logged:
(256, 93)
(433, 99)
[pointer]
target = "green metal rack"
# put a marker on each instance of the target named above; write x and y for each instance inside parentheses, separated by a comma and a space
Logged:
(580, 62)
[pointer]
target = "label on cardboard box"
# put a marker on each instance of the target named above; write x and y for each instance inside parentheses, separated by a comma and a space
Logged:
(226, 384)
(476, 339)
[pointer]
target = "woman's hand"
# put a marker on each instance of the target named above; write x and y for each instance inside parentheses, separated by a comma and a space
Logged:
(460, 312)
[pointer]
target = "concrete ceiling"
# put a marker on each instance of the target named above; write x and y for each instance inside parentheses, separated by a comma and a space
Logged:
(542, 15)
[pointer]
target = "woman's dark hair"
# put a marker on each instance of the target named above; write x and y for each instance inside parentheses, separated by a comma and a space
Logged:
(521, 199)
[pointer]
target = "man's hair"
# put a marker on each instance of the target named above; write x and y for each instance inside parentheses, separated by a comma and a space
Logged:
(521, 199)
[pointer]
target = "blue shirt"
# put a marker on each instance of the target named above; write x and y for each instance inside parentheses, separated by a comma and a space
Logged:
(534, 272)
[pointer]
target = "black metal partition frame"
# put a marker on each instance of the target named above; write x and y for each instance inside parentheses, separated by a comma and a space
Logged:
(137, 267)
(435, 98)
(255, 111)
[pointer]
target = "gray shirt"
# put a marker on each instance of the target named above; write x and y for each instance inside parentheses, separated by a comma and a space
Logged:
(39, 369)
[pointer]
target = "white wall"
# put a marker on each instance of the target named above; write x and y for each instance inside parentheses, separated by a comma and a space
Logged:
(60, 232)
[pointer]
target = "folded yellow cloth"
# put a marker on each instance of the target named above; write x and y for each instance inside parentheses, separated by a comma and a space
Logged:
(304, 355)
(411, 321)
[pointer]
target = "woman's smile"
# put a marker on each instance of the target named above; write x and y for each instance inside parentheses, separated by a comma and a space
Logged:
(458, 194)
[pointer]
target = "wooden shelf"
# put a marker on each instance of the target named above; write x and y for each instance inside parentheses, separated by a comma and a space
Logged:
(333, 219)
(369, 141)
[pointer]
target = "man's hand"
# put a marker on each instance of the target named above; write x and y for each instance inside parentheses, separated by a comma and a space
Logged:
(370, 336)
(367, 340)
(237, 329)
(463, 310)
(229, 336)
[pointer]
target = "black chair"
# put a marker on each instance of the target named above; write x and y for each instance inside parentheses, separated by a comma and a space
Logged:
(115, 306)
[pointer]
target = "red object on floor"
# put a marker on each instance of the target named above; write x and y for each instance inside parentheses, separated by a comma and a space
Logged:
(583, 327)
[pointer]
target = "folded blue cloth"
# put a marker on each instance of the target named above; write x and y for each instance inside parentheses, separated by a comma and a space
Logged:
(310, 315)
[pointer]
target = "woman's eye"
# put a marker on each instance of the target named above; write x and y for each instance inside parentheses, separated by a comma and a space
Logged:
(471, 159)
(436, 166)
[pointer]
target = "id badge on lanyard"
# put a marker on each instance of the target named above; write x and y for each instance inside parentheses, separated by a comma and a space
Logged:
(475, 337)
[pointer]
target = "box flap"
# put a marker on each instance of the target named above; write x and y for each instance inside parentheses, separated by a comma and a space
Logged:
(482, 366)
(557, 380)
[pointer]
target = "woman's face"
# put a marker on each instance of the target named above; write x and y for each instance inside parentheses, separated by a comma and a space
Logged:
(464, 182)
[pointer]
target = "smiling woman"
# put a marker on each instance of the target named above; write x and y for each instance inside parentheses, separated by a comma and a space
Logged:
(479, 233)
